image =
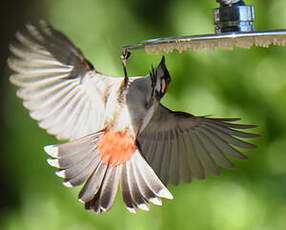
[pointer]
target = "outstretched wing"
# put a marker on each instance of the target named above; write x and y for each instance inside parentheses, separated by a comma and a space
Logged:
(180, 146)
(59, 86)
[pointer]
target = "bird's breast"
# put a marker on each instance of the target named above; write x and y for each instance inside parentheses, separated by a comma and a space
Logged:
(127, 110)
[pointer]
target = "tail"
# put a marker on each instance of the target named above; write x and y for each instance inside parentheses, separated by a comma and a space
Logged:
(80, 162)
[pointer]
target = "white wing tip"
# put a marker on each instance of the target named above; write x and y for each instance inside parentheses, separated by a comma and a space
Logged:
(132, 210)
(165, 194)
(52, 150)
(69, 185)
(156, 201)
(13, 79)
(80, 200)
(61, 173)
(53, 162)
(144, 207)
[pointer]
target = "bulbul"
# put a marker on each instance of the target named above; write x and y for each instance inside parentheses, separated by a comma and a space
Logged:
(118, 133)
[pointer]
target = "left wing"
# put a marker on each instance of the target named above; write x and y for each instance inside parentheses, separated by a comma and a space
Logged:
(59, 86)
(180, 146)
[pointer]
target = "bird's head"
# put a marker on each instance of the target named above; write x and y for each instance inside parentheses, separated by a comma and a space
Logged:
(160, 79)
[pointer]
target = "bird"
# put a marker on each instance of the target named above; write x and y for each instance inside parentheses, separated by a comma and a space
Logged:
(115, 131)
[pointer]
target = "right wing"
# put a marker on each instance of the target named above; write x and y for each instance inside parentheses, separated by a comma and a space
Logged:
(180, 146)
(62, 90)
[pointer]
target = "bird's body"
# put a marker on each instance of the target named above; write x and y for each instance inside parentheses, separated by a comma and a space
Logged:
(119, 135)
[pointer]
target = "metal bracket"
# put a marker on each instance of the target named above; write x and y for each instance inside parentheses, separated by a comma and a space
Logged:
(233, 16)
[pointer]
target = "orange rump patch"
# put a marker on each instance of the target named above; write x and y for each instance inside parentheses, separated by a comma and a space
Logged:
(116, 148)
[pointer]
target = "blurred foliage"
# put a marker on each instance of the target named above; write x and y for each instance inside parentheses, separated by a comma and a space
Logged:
(250, 84)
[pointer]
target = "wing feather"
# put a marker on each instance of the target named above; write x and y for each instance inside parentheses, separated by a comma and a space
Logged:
(174, 177)
(194, 162)
(183, 165)
(187, 147)
(164, 167)
(207, 161)
(214, 151)
(59, 86)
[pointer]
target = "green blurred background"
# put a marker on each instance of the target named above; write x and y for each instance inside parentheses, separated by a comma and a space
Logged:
(250, 84)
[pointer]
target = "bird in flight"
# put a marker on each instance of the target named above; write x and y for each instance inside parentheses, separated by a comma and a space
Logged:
(118, 133)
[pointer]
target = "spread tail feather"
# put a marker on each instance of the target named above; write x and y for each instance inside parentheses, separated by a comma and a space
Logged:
(80, 162)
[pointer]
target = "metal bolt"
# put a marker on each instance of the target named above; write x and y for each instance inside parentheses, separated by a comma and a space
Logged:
(227, 2)
(233, 16)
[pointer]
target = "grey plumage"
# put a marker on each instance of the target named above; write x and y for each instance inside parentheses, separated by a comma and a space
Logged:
(198, 145)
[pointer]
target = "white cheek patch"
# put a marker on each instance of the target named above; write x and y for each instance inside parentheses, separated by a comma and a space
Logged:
(163, 86)
(158, 86)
